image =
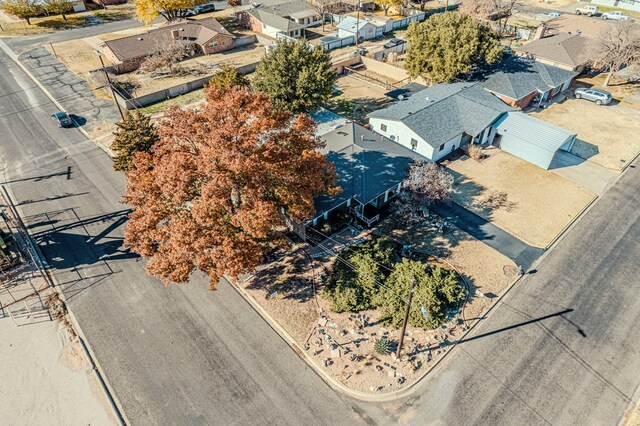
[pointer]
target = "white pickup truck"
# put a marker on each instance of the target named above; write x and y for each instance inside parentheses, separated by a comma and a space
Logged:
(587, 10)
(617, 16)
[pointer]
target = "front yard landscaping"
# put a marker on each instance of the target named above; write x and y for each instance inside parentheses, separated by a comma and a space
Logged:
(531, 203)
(345, 308)
(607, 135)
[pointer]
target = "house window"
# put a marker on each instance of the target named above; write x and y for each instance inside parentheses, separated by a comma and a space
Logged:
(414, 144)
(441, 147)
(383, 127)
(214, 44)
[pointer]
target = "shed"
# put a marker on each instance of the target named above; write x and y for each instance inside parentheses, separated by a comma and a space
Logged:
(533, 140)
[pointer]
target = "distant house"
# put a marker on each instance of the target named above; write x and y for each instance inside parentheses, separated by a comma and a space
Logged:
(370, 171)
(437, 120)
(127, 53)
(518, 81)
(568, 51)
(273, 17)
(365, 29)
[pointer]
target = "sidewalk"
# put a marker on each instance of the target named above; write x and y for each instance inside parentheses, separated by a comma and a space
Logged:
(71, 91)
(521, 253)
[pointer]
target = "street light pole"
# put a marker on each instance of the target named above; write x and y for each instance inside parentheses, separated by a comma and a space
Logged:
(113, 93)
(406, 318)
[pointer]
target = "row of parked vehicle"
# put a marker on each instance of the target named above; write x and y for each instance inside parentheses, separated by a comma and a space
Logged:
(201, 8)
(594, 11)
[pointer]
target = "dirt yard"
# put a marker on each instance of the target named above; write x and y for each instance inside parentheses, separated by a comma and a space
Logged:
(289, 290)
(607, 135)
(44, 375)
(358, 98)
(531, 203)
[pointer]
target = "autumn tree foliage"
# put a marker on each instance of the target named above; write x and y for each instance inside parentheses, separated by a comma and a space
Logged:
(388, 4)
(148, 10)
(228, 77)
(58, 7)
(426, 184)
(23, 9)
(135, 134)
(296, 77)
(211, 193)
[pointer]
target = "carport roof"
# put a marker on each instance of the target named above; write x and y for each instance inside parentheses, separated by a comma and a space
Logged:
(537, 132)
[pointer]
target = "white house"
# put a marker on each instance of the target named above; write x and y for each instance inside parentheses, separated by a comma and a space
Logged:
(365, 29)
(437, 120)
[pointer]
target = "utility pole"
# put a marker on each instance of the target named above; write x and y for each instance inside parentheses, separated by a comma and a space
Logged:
(113, 93)
(406, 318)
(357, 24)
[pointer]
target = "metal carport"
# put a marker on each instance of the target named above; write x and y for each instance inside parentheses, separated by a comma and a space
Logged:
(533, 140)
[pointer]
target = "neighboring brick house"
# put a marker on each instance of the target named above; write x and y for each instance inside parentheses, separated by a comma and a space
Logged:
(273, 17)
(572, 52)
(518, 81)
(127, 53)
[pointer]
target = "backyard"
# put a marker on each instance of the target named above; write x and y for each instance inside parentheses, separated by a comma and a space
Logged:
(357, 98)
(531, 203)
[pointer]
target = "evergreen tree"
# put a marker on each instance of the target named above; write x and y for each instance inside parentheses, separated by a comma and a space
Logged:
(448, 45)
(436, 290)
(226, 78)
(135, 134)
(296, 77)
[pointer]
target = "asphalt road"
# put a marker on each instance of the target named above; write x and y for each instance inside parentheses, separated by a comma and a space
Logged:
(561, 348)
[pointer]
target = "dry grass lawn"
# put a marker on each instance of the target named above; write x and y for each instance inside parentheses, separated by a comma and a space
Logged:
(77, 55)
(483, 267)
(358, 98)
(531, 203)
(607, 134)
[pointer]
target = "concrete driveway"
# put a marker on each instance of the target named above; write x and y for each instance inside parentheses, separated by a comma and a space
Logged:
(585, 173)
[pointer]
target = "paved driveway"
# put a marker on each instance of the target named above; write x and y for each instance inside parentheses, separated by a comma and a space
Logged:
(590, 175)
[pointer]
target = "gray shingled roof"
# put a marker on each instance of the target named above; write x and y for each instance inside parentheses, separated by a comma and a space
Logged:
(140, 45)
(518, 77)
(276, 13)
(275, 21)
(367, 164)
(567, 49)
(441, 112)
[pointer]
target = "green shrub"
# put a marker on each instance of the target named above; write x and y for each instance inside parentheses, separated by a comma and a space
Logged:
(356, 287)
(383, 346)
(437, 290)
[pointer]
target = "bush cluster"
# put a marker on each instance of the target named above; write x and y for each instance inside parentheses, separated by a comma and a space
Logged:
(373, 276)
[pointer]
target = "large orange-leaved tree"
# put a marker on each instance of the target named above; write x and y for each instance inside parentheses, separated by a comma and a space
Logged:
(211, 194)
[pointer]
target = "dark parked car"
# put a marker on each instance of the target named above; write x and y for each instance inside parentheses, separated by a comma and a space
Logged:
(62, 119)
(202, 8)
(393, 43)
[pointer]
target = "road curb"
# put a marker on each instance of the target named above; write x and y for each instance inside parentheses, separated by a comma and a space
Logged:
(335, 384)
(16, 58)
(114, 403)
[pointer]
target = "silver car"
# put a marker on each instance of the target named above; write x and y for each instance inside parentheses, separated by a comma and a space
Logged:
(600, 97)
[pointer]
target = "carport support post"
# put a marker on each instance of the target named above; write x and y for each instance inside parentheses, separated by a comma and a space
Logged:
(106, 74)
(406, 318)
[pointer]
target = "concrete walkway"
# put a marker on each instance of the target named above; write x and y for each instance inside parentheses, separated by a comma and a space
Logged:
(521, 253)
(70, 90)
(585, 173)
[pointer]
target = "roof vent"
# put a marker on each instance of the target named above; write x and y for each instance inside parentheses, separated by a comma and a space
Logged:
(140, 38)
(401, 97)
(428, 100)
